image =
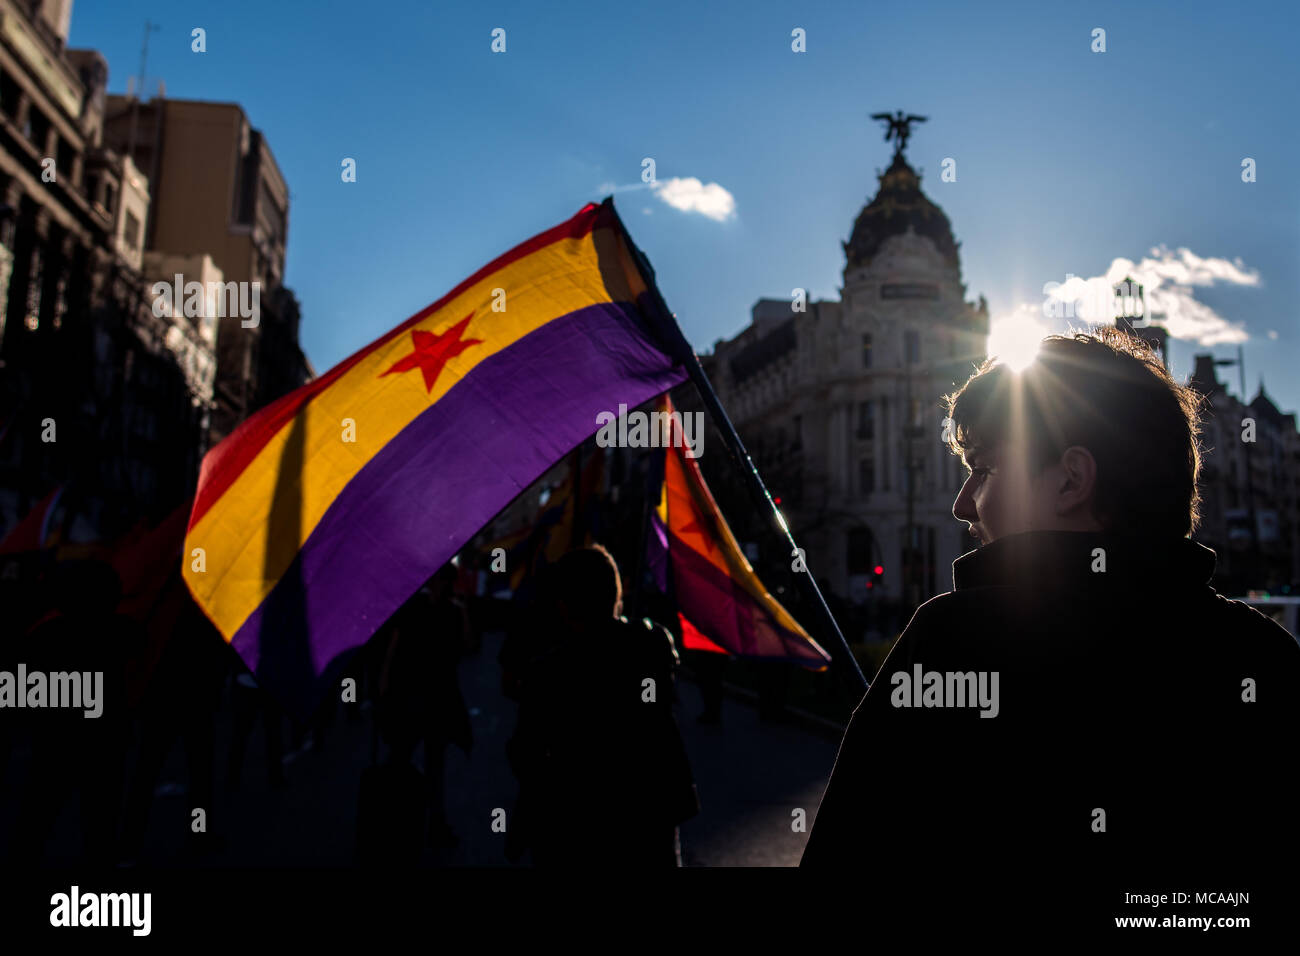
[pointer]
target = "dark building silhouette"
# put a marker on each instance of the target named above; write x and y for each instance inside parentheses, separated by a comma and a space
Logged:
(110, 388)
(94, 394)
(218, 190)
(1250, 490)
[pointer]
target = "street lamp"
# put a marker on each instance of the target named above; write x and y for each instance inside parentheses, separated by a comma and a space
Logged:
(1130, 308)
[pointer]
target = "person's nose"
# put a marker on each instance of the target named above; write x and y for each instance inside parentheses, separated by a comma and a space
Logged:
(963, 509)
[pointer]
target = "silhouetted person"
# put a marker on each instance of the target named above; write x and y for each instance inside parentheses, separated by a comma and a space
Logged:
(604, 777)
(419, 689)
(356, 671)
(72, 753)
(530, 630)
(181, 701)
(249, 702)
(527, 635)
(15, 602)
(1140, 731)
(707, 667)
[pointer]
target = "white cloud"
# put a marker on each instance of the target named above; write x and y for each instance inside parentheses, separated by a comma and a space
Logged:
(690, 195)
(1169, 280)
(686, 194)
(1185, 267)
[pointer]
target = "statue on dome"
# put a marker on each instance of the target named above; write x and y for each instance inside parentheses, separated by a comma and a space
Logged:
(899, 128)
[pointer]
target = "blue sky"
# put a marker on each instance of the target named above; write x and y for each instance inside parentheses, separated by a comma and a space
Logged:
(1066, 159)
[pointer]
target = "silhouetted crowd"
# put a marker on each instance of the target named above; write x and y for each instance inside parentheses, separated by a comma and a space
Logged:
(602, 772)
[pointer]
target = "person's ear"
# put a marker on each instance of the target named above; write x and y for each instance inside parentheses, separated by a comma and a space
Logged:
(1077, 483)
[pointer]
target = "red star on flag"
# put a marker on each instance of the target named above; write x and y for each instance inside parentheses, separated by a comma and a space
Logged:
(432, 351)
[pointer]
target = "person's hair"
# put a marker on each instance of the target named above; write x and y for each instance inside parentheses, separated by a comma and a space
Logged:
(588, 583)
(1107, 391)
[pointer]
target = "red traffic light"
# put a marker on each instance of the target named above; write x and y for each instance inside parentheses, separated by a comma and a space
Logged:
(879, 569)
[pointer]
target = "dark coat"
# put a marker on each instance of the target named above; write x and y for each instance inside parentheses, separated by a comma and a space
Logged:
(1119, 690)
(422, 699)
(604, 776)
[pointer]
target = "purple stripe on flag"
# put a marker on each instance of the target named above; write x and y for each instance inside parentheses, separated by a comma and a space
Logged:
(444, 476)
(656, 553)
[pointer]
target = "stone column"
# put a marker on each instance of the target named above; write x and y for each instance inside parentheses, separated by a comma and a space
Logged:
(11, 197)
(36, 269)
(22, 112)
(50, 149)
(59, 251)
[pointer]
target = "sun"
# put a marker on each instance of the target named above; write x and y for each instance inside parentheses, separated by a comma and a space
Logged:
(1014, 340)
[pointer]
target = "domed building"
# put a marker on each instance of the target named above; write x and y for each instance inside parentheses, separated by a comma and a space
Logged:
(897, 208)
(840, 404)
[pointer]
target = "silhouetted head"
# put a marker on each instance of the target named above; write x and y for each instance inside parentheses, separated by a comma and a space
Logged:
(1092, 435)
(586, 587)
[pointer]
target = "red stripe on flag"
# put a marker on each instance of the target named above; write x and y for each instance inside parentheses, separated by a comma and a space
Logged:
(693, 640)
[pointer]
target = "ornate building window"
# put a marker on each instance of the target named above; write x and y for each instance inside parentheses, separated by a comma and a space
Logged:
(859, 555)
(884, 442)
(866, 420)
(866, 475)
(911, 347)
(131, 230)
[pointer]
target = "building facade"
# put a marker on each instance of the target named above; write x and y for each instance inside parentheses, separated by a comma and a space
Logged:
(217, 191)
(1250, 487)
(92, 397)
(143, 312)
(840, 402)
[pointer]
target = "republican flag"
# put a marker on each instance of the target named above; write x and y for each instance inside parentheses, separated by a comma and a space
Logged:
(324, 512)
(722, 605)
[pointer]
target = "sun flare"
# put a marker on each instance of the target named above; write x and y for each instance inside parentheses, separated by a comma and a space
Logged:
(1015, 340)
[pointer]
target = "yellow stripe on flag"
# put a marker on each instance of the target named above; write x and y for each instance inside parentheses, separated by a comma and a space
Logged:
(246, 553)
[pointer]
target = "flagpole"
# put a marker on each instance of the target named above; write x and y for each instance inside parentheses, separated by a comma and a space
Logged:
(633, 603)
(682, 351)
